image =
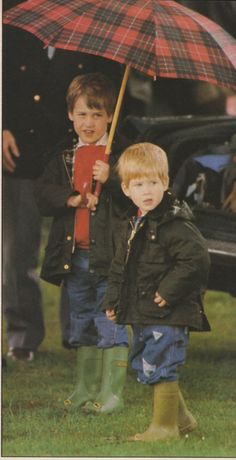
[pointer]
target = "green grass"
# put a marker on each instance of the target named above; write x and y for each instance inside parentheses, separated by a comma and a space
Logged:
(36, 424)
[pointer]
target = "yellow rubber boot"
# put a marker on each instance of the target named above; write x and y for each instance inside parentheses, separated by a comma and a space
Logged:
(164, 425)
(186, 421)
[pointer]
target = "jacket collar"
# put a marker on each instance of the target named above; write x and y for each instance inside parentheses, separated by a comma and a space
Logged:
(102, 141)
(163, 207)
(169, 207)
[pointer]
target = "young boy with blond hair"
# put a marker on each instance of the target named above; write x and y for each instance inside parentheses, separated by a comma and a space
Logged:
(156, 284)
(82, 239)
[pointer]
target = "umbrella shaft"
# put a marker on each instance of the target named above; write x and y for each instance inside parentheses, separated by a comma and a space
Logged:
(117, 110)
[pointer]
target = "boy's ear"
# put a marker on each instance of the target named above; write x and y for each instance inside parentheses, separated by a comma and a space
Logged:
(166, 184)
(110, 118)
(70, 116)
(125, 189)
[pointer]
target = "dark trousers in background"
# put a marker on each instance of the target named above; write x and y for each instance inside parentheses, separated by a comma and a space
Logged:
(22, 302)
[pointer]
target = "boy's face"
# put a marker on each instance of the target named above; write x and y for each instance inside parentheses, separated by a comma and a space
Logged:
(145, 192)
(89, 124)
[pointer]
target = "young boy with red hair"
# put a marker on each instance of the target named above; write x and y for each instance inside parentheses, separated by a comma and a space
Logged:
(156, 284)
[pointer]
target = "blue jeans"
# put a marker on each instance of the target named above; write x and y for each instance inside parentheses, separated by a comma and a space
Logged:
(86, 290)
(157, 352)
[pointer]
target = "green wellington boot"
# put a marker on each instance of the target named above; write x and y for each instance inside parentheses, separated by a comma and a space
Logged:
(114, 371)
(186, 420)
(89, 367)
(164, 425)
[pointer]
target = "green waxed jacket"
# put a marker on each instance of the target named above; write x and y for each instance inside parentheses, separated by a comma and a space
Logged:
(52, 190)
(167, 254)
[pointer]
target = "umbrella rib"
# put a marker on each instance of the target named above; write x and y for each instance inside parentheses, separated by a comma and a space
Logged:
(219, 36)
(156, 37)
(70, 39)
(73, 32)
(134, 19)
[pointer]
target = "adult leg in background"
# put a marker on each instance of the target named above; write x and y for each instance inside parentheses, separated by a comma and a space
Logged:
(22, 302)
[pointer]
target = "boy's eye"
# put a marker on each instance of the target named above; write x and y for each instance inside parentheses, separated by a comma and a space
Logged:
(95, 115)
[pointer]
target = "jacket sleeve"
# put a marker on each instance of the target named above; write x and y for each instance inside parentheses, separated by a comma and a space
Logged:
(53, 188)
(112, 185)
(116, 276)
(190, 262)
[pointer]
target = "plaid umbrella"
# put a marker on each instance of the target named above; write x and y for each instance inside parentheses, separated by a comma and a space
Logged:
(157, 37)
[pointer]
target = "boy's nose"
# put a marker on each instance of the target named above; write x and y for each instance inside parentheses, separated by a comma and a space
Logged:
(89, 121)
(147, 188)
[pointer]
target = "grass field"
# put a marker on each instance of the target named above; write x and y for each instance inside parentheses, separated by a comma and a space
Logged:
(35, 423)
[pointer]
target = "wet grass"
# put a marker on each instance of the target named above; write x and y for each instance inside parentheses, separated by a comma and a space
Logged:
(36, 424)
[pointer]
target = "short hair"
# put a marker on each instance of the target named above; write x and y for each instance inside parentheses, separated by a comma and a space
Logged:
(143, 160)
(97, 89)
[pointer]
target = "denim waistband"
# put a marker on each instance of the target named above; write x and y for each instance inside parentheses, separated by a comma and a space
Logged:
(82, 251)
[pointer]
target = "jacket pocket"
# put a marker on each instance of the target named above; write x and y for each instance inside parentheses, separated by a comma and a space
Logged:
(147, 307)
(53, 255)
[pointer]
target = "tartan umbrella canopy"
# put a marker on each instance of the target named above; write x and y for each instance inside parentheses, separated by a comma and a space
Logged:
(157, 37)
(160, 38)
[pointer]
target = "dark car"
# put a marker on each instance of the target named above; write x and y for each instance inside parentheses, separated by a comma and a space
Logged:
(199, 149)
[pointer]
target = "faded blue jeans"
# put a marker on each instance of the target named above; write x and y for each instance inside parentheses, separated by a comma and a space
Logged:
(157, 352)
(89, 325)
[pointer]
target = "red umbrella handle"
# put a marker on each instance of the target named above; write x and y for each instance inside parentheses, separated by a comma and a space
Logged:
(98, 189)
(98, 186)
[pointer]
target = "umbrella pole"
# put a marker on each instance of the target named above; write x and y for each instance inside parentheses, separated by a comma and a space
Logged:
(117, 110)
(97, 190)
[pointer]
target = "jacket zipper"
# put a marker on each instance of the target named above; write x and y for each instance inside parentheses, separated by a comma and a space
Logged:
(136, 224)
(71, 184)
